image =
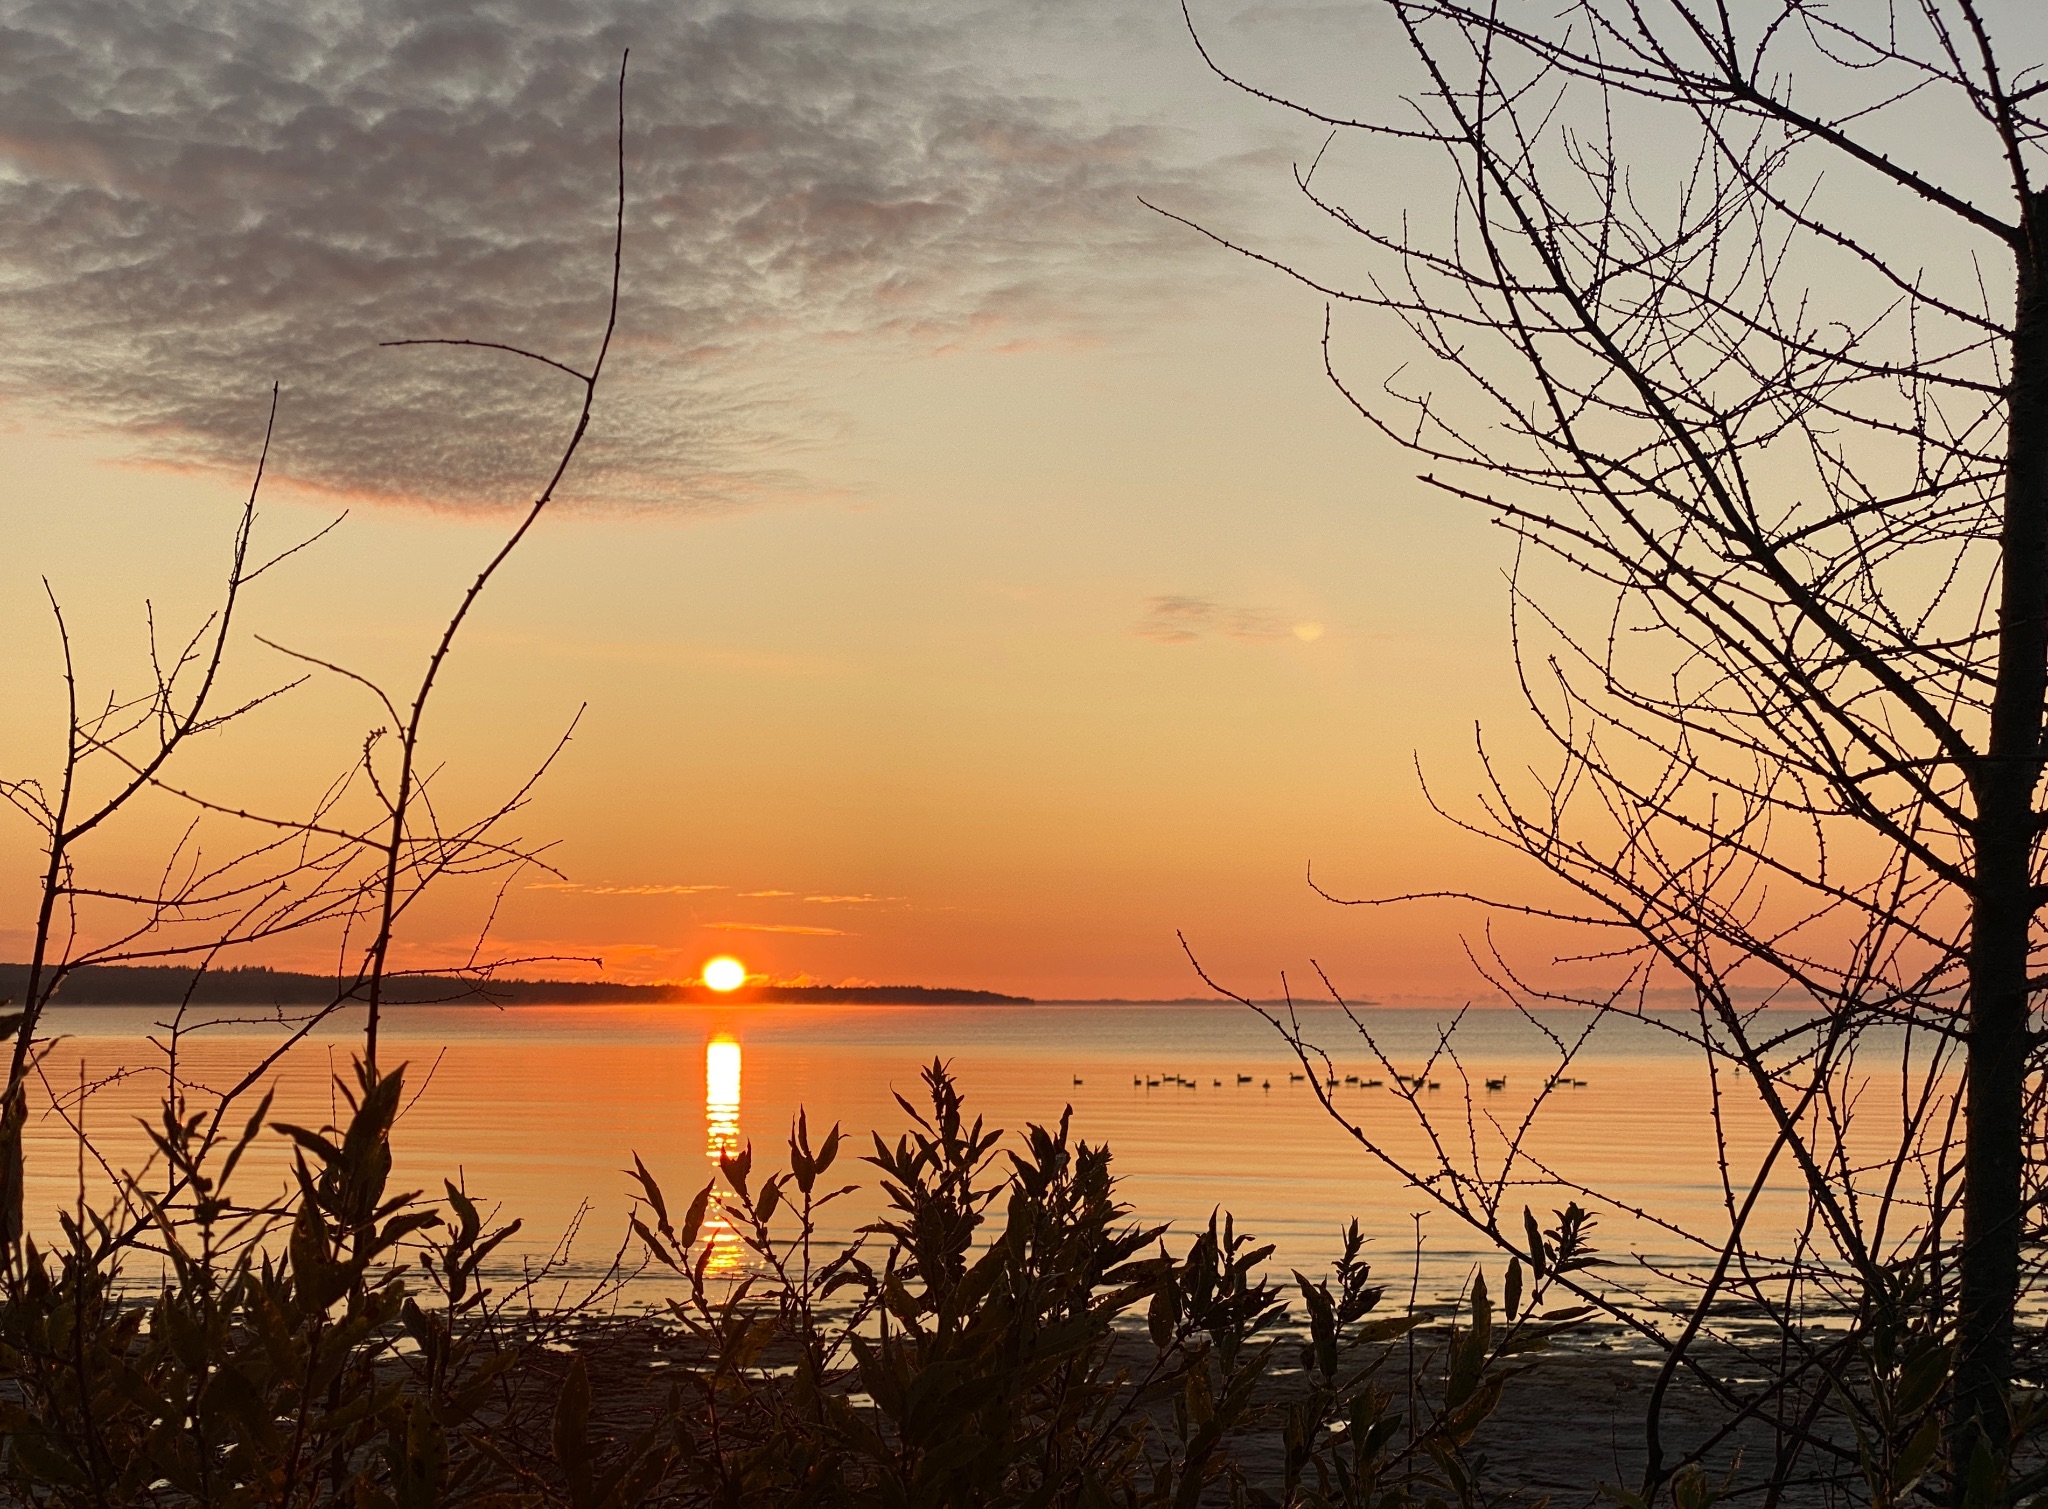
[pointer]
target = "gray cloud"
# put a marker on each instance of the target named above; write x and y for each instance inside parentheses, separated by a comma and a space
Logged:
(1180, 618)
(197, 196)
(1176, 619)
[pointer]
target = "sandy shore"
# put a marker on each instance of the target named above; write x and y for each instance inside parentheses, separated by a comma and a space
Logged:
(1569, 1427)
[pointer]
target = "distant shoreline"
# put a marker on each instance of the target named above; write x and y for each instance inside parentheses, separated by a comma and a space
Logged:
(167, 985)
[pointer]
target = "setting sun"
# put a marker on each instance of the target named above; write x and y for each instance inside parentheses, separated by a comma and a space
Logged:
(725, 973)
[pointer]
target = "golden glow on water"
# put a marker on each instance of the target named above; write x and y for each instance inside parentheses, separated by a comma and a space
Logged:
(541, 1106)
(721, 1140)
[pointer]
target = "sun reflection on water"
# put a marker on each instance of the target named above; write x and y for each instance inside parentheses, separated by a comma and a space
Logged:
(721, 1098)
(721, 1140)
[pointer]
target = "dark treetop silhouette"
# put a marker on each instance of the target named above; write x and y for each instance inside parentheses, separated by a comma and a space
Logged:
(1741, 320)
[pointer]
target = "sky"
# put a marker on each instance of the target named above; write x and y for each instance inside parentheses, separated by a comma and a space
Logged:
(971, 577)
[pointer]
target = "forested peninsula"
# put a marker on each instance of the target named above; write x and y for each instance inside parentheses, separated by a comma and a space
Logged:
(163, 985)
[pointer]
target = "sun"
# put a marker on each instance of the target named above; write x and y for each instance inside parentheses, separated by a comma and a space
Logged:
(725, 973)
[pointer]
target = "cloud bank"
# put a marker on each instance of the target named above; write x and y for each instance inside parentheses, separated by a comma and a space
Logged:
(198, 196)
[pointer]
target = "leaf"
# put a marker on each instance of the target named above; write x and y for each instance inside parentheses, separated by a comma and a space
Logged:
(1920, 1380)
(399, 1228)
(943, 1460)
(231, 1392)
(572, 1424)
(661, 1254)
(45, 1464)
(1163, 1314)
(423, 1453)
(312, 1142)
(465, 1213)
(652, 1191)
(694, 1221)
(1981, 1483)
(632, 1482)
(1388, 1328)
(736, 1167)
(1693, 1489)
(1376, 1439)
(255, 1125)
(1913, 1462)
(752, 1343)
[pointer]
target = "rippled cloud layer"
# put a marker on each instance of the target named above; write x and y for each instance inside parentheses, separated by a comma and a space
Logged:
(198, 196)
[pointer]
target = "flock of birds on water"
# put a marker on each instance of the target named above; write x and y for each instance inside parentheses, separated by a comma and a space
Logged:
(1405, 1081)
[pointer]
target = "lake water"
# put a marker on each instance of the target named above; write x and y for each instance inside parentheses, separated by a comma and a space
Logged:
(539, 1109)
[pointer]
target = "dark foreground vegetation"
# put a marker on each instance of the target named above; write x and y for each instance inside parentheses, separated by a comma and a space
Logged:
(351, 1344)
(1003, 1334)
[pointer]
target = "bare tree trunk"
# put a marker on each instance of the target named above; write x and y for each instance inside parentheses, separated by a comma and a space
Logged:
(2004, 905)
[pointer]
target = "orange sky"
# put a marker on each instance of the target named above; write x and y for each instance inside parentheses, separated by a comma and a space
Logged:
(930, 730)
(1040, 620)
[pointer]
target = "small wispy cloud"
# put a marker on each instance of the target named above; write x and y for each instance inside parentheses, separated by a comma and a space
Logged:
(1176, 619)
(832, 899)
(778, 927)
(1180, 618)
(622, 890)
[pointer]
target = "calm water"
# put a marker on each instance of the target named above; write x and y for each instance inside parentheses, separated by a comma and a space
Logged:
(538, 1109)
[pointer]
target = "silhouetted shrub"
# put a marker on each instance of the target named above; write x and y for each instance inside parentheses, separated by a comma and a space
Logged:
(345, 1345)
